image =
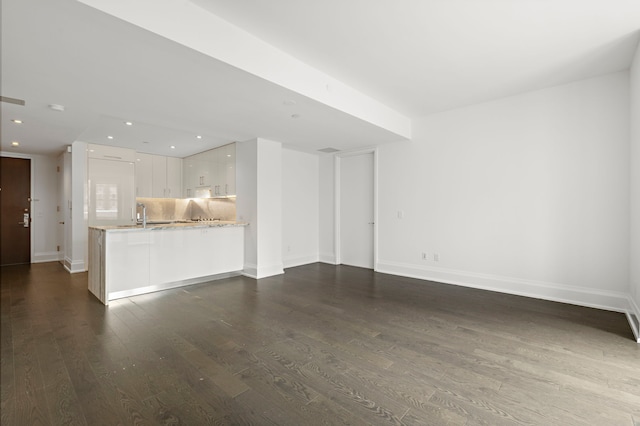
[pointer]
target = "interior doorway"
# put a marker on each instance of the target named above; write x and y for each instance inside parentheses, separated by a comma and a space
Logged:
(355, 204)
(15, 211)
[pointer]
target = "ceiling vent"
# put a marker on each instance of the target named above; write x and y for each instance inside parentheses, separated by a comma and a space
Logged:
(11, 100)
(328, 150)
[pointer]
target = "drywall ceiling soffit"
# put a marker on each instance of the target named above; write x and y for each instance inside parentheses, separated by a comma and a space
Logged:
(192, 26)
(425, 56)
(106, 71)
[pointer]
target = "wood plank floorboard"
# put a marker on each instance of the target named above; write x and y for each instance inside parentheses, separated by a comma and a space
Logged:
(319, 345)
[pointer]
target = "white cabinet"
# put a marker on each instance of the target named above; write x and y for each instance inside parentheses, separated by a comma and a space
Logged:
(230, 169)
(189, 176)
(124, 263)
(144, 173)
(174, 177)
(111, 192)
(211, 173)
(158, 176)
(199, 252)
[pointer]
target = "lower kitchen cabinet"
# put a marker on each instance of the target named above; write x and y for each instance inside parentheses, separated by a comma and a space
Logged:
(125, 262)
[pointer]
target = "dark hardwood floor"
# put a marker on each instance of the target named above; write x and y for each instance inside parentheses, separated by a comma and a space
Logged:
(318, 345)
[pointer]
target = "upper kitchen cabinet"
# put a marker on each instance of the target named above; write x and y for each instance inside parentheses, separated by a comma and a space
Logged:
(167, 177)
(158, 176)
(111, 185)
(228, 184)
(144, 175)
(210, 173)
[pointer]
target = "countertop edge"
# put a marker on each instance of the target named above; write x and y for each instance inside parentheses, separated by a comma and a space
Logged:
(154, 227)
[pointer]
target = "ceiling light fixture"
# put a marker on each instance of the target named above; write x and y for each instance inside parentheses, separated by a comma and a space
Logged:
(198, 137)
(56, 107)
(128, 123)
(16, 121)
(173, 147)
(14, 143)
(109, 137)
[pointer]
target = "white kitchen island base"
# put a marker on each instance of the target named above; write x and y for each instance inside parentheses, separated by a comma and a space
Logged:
(125, 262)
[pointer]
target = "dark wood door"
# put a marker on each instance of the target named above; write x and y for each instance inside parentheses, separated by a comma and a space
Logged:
(15, 205)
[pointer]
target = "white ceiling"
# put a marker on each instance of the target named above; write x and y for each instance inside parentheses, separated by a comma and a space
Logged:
(416, 56)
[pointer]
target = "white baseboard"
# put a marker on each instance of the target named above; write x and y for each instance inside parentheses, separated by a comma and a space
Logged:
(74, 266)
(47, 256)
(257, 272)
(328, 258)
(601, 299)
(291, 262)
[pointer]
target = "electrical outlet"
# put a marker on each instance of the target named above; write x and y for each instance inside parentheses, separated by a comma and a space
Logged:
(436, 257)
(424, 256)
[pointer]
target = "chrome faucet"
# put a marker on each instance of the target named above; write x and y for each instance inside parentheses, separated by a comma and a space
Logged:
(144, 214)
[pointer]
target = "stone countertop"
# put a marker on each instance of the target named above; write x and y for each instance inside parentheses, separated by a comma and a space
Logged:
(172, 225)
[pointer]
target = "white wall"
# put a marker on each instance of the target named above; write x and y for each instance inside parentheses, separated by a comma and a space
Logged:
(300, 208)
(44, 193)
(635, 182)
(527, 195)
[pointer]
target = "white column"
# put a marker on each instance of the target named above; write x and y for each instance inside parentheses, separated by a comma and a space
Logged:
(259, 202)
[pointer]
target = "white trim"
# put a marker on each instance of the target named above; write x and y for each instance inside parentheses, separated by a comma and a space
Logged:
(49, 256)
(74, 266)
(337, 224)
(255, 272)
(601, 299)
(328, 258)
(300, 260)
(633, 316)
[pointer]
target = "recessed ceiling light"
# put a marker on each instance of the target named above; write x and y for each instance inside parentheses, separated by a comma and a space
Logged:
(109, 137)
(14, 143)
(128, 123)
(57, 107)
(173, 147)
(17, 121)
(198, 137)
(228, 155)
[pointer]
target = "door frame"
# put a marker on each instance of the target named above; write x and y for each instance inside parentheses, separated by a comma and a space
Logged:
(337, 185)
(32, 192)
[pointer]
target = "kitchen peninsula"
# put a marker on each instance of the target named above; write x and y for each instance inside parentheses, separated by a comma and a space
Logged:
(131, 260)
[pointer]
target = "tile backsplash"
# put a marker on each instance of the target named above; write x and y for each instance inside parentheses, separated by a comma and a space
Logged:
(187, 209)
